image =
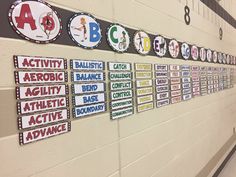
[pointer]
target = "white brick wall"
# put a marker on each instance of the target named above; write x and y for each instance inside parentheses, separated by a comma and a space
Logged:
(174, 141)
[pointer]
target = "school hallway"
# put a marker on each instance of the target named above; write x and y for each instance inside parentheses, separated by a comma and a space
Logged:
(118, 88)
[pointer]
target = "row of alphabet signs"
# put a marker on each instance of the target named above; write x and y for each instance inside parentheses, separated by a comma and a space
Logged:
(43, 25)
(42, 97)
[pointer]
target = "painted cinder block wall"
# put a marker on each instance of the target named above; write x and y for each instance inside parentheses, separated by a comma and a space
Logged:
(181, 140)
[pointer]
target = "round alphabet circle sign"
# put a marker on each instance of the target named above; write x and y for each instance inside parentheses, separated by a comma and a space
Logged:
(84, 30)
(194, 52)
(203, 54)
(224, 58)
(209, 55)
(228, 59)
(159, 46)
(214, 57)
(118, 38)
(174, 48)
(35, 21)
(185, 50)
(142, 42)
(220, 57)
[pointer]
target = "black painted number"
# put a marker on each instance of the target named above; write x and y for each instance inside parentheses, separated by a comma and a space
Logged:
(221, 33)
(187, 15)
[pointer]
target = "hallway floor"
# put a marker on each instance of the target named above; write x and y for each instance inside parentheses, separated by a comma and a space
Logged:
(230, 168)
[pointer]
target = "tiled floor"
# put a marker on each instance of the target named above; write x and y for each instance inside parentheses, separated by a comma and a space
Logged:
(230, 168)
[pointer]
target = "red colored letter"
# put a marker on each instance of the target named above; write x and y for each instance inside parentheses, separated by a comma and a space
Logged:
(25, 17)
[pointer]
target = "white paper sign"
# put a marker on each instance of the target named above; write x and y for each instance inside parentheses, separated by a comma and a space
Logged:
(144, 91)
(89, 99)
(121, 94)
(175, 93)
(25, 92)
(143, 83)
(143, 67)
(89, 110)
(35, 77)
(174, 74)
(195, 68)
(161, 74)
(162, 81)
(175, 87)
(174, 67)
(33, 62)
(24, 107)
(195, 84)
(162, 88)
(196, 89)
(88, 88)
(119, 104)
(44, 132)
(119, 66)
(175, 80)
(122, 113)
(185, 68)
(185, 73)
(187, 91)
(186, 79)
(163, 103)
(186, 85)
(87, 76)
(42, 118)
(120, 85)
(145, 107)
(163, 95)
(159, 67)
(187, 97)
(87, 65)
(195, 79)
(115, 76)
(203, 83)
(143, 75)
(144, 99)
(176, 99)
(196, 94)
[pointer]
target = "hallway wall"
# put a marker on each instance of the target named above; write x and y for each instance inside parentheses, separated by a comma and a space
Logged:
(174, 141)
